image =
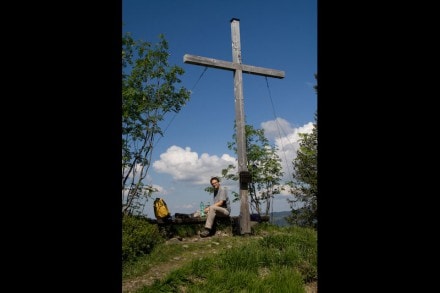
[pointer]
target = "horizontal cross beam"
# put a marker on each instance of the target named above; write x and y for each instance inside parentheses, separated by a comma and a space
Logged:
(198, 60)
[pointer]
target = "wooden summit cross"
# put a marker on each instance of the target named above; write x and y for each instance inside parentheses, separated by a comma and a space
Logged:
(237, 67)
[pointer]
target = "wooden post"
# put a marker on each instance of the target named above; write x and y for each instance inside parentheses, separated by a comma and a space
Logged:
(238, 68)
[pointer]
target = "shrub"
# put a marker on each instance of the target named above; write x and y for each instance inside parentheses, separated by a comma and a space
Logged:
(138, 237)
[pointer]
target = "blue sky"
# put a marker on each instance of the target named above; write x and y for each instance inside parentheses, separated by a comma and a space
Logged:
(279, 34)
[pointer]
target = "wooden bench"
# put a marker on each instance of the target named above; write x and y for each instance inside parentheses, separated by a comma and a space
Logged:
(232, 222)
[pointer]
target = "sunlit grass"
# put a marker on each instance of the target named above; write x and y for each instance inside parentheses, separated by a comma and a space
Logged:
(275, 259)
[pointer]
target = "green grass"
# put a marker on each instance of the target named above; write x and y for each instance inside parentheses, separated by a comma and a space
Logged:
(272, 259)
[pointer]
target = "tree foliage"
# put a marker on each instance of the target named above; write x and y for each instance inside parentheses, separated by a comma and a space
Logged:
(149, 93)
(305, 179)
(263, 164)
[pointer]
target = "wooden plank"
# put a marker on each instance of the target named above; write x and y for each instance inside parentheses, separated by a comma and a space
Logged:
(198, 220)
(221, 64)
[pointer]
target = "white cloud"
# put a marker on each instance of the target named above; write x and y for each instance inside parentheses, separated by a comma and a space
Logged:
(286, 139)
(276, 128)
(137, 170)
(186, 165)
(159, 189)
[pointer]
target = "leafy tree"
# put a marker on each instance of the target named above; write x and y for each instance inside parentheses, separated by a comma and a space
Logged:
(263, 164)
(304, 186)
(148, 95)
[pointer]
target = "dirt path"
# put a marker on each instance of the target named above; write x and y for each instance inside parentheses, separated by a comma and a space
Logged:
(160, 271)
(148, 278)
(312, 287)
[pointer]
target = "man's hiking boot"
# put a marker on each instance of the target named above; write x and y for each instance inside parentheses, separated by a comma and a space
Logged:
(205, 233)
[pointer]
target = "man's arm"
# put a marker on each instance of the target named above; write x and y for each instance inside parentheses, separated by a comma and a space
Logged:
(220, 203)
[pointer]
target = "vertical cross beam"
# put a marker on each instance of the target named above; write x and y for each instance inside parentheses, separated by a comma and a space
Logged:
(238, 68)
(245, 227)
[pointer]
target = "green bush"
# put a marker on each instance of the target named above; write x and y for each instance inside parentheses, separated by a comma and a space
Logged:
(138, 237)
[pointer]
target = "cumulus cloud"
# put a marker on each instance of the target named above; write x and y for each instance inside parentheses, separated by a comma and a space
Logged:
(286, 140)
(185, 165)
(276, 128)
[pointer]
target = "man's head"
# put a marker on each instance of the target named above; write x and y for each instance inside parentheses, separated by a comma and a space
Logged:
(215, 182)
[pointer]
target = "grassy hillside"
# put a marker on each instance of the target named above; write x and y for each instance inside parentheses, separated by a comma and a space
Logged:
(270, 259)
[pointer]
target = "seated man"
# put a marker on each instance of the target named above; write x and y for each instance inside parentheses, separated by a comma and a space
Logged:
(221, 206)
